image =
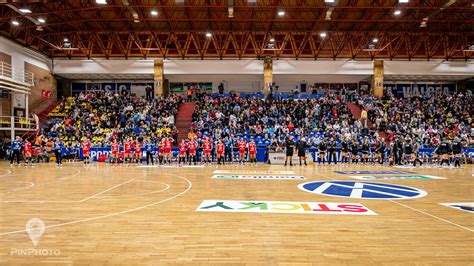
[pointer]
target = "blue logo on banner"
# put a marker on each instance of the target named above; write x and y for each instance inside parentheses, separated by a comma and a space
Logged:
(373, 172)
(362, 190)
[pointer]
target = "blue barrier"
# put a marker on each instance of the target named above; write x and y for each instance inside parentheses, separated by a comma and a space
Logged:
(262, 153)
(275, 96)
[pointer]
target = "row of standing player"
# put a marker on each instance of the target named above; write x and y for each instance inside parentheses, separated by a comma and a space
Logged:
(133, 149)
(398, 152)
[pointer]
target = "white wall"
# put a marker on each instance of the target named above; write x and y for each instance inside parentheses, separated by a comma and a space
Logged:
(435, 67)
(286, 82)
(234, 67)
(239, 83)
(138, 66)
(244, 74)
(20, 55)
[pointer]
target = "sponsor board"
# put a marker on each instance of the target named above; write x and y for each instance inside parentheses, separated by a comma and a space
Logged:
(253, 172)
(284, 207)
(260, 177)
(362, 190)
(170, 166)
(463, 206)
(436, 166)
(397, 177)
(373, 172)
(278, 158)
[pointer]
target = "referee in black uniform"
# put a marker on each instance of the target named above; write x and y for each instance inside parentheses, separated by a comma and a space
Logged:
(301, 147)
(290, 144)
(457, 152)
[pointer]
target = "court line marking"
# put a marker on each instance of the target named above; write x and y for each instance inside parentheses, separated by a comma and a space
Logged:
(102, 192)
(434, 216)
(139, 194)
(77, 172)
(7, 174)
(31, 184)
(103, 197)
(190, 185)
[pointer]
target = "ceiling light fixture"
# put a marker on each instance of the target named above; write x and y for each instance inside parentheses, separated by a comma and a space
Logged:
(397, 12)
(154, 12)
(15, 23)
(25, 10)
(281, 13)
(328, 1)
(41, 20)
(101, 2)
(403, 1)
(66, 40)
(208, 34)
(323, 34)
(375, 40)
(272, 40)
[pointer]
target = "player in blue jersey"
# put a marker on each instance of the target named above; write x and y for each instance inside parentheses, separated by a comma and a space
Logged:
(58, 151)
(16, 147)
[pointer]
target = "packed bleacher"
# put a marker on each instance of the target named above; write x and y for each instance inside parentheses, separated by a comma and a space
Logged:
(322, 121)
(425, 120)
(254, 118)
(102, 116)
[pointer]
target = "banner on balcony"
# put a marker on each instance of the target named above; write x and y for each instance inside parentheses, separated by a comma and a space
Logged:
(46, 94)
(407, 90)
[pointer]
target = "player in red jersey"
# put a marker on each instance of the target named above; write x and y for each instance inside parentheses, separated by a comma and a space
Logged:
(161, 150)
(137, 151)
(206, 147)
(252, 151)
(127, 147)
(182, 151)
(27, 152)
(192, 151)
(220, 148)
(115, 152)
(86, 150)
(242, 145)
(168, 142)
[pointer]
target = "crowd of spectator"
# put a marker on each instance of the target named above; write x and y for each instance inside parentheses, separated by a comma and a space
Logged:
(103, 116)
(425, 120)
(272, 120)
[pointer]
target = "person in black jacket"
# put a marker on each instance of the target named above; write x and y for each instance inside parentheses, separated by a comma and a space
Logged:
(380, 151)
(344, 151)
(457, 152)
(398, 151)
(408, 150)
(322, 148)
(290, 144)
(443, 151)
(354, 151)
(301, 147)
(332, 145)
(365, 151)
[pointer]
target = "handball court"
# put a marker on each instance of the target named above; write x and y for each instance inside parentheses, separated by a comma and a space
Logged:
(128, 215)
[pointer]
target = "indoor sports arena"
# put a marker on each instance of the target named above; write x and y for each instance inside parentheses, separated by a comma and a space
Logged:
(246, 132)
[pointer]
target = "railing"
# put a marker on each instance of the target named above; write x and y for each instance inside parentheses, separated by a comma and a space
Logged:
(17, 123)
(6, 70)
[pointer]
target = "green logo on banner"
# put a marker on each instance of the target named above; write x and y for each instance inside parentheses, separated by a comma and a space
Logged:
(260, 177)
(397, 177)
